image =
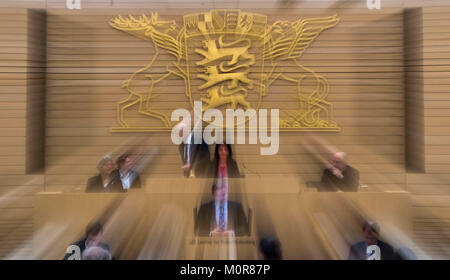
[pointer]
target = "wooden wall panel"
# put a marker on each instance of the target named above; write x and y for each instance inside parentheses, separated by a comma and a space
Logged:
(13, 90)
(430, 70)
(414, 95)
(22, 91)
(36, 77)
(437, 125)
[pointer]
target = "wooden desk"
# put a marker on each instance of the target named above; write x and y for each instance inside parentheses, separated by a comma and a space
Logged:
(157, 222)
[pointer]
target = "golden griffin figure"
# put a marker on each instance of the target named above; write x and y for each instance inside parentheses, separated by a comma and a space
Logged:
(230, 59)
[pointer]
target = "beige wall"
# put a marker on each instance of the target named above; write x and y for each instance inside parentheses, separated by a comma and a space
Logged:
(432, 188)
(22, 92)
(13, 90)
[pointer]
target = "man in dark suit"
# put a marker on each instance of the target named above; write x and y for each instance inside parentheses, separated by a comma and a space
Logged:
(94, 234)
(371, 232)
(195, 158)
(341, 176)
(127, 175)
(404, 253)
(221, 216)
(270, 249)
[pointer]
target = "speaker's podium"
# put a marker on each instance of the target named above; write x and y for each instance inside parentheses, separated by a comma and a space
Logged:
(222, 248)
(158, 221)
(229, 244)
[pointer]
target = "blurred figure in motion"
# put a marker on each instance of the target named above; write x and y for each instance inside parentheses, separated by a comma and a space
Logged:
(221, 216)
(223, 165)
(96, 253)
(288, 2)
(93, 237)
(404, 253)
(128, 176)
(371, 231)
(340, 176)
(105, 181)
(165, 240)
(270, 249)
(195, 157)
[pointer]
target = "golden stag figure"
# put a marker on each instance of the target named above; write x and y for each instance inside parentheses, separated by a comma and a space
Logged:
(168, 38)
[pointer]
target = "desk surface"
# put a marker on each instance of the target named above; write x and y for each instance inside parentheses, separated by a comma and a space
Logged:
(249, 184)
(309, 225)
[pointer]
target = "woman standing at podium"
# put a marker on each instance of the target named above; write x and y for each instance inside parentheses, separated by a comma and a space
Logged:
(223, 165)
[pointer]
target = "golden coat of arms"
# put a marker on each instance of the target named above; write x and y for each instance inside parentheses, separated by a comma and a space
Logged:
(228, 59)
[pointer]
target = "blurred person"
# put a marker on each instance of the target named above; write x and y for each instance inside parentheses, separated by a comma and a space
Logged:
(142, 150)
(404, 253)
(106, 180)
(223, 164)
(319, 148)
(289, 2)
(166, 239)
(96, 253)
(371, 231)
(195, 157)
(270, 249)
(128, 176)
(340, 175)
(221, 216)
(93, 237)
